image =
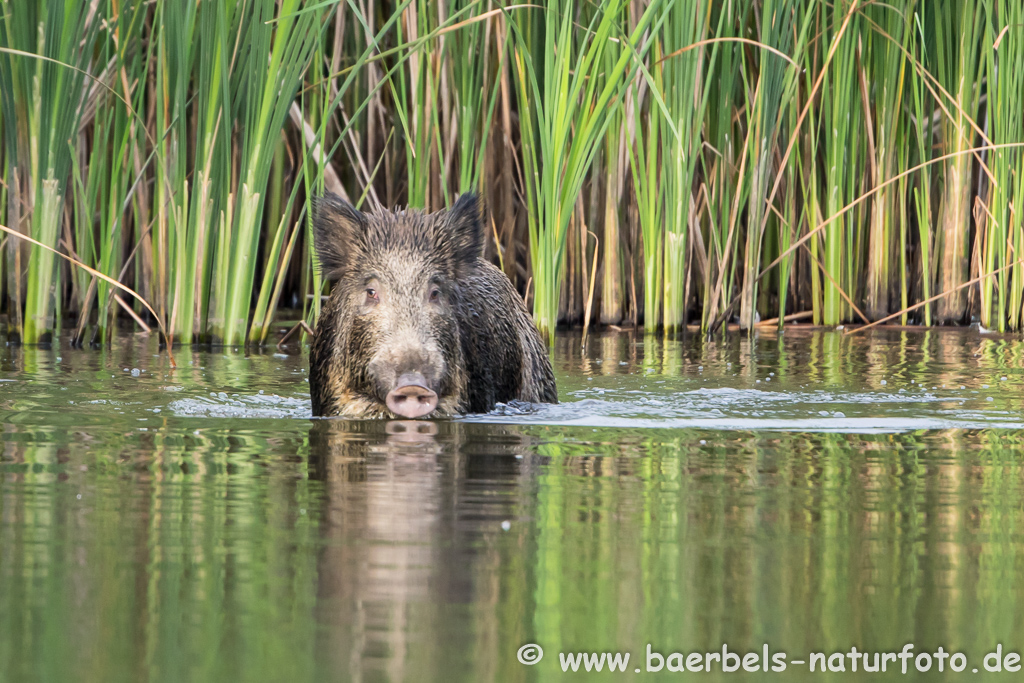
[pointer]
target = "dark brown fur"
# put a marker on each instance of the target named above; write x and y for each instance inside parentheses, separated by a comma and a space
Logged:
(437, 308)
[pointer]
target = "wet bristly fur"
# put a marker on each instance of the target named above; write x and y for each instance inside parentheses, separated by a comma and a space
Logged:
(475, 342)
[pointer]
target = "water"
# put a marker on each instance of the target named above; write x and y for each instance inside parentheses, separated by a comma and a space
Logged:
(808, 491)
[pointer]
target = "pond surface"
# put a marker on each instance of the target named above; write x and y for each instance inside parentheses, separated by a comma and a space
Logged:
(806, 491)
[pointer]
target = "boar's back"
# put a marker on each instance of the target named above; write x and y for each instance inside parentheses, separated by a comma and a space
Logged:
(505, 357)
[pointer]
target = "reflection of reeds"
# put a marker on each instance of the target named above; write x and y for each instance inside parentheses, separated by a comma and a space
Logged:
(683, 147)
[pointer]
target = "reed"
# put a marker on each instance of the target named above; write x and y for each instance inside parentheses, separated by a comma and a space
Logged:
(612, 289)
(841, 131)
(266, 94)
(775, 20)
(565, 95)
(43, 103)
(733, 162)
(645, 165)
(685, 85)
(885, 70)
(1000, 226)
(723, 161)
(957, 28)
(923, 136)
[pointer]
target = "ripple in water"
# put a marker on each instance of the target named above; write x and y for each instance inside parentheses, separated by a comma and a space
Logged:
(239, 406)
(749, 409)
(722, 408)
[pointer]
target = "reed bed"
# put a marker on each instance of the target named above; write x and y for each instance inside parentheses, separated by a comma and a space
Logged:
(662, 163)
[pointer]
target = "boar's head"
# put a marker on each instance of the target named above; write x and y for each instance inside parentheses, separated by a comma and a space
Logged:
(389, 341)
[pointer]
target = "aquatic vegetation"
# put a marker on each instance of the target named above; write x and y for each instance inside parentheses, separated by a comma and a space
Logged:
(663, 163)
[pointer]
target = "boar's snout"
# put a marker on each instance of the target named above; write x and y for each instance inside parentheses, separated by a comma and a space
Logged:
(411, 397)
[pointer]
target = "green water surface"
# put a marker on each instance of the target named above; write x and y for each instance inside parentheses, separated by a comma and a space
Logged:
(808, 491)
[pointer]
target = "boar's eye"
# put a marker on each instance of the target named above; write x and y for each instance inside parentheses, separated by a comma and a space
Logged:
(435, 295)
(371, 295)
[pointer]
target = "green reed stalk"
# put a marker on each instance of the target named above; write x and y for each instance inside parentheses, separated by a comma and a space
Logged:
(415, 93)
(110, 228)
(645, 166)
(85, 195)
(789, 225)
(725, 189)
(440, 75)
(118, 124)
(776, 18)
(957, 27)
(41, 102)
(476, 93)
(886, 67)
(264, 92)
(809, 182)
(101, 178)
(923, 135)
(314, 183)
(4, 220)
(687, 80)
(1003, 238)
(190, 41)
(786, 219)
(611, 282)
(840, 119)
(564, 102)
(903, 147)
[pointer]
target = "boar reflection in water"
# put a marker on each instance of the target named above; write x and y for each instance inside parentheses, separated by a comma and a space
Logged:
(408, 508)
(418, 323)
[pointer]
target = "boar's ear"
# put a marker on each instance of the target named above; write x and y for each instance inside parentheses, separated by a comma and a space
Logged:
(337, 226)
(464, 233)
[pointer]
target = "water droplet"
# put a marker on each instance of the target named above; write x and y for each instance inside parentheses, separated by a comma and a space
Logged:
(506, 525)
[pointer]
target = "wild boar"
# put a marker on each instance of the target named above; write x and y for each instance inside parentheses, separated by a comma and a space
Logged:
(418, 324)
